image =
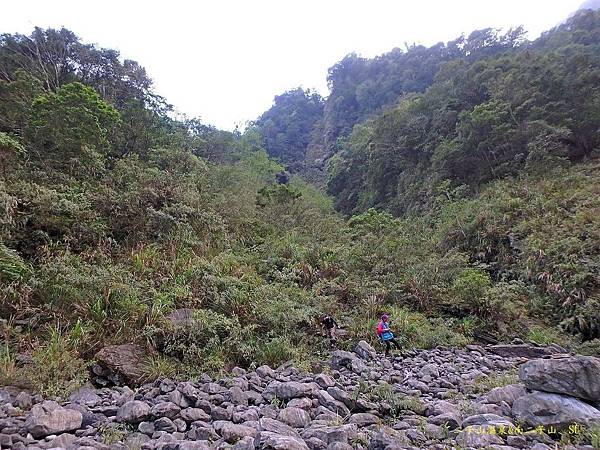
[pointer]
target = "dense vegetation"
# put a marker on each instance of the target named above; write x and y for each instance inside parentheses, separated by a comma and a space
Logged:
(529, 117)
(288, 126)
(473, 204)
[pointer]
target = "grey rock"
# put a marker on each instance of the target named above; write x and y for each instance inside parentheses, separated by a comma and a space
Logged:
(521, 351)
(342, 396)
(218, 413)
(469, 438)
(193, 445)
(277, 427)
(180, 424)
(294, 417)
(288, 390)
(265, 372)
(146, 428)
(88, 417)
(430, 370)
(254, 398)
(388, 438)
(342, 433)
(135, 440)
(273, 441)
(85, 396)
(364, 350)
(325, 381)
(49, 418)
(23, 400)
(167, 385)
(246, 443)
(506, 394)
(339, 446)
(120, 364)
(190, 391)
(486, 419)
(302, 403)
(332, 404)
(134, 411)
(540, 446)
(238, 397)
(315, 444)
(450, 419)
(193, 414)
(342, 359)
(206, 433)
(232, 432)
(364, 419)
(65, 440)
(516, 441)
(442, 407)
(165, 424)
(249, 415)
(165, 409)
(213, 388)
(560, 411)
(6, 441)
(578, 376)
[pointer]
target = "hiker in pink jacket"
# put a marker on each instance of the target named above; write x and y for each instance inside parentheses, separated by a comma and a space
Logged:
(385, 334)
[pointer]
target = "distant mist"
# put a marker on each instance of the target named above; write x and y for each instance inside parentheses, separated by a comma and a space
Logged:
(590, 4)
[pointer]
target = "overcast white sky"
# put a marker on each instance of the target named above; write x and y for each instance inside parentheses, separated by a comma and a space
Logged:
(225, 60)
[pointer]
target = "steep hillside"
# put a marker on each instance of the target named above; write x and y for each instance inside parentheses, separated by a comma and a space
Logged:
(122, 226)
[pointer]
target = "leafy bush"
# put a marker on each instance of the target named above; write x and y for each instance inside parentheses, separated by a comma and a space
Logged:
(56, 369)
(499, 379)
(12, 266)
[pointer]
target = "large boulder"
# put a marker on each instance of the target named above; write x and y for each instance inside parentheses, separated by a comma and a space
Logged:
(506, 394)
(86, 397)
(294, 417)
(289, 390)
(341, 358)
(332, 404)
(560, 411)
(134, 411)
(165, 409)
(120, 365)
(49, 417)
(522, 351)
(364, 350)
(578, 376)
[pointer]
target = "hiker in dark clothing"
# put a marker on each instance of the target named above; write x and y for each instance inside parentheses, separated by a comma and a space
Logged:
(330, 325)
(385, 334)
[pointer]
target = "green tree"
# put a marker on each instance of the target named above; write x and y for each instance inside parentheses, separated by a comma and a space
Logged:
(71, 127)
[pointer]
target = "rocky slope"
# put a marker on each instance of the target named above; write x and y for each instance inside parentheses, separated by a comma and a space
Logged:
(433, 399)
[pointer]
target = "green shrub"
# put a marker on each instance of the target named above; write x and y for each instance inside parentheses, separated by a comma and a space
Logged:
(56, 369)
(12, 266)
(203, 340)
(499, 379)
(9, 374)
(276, 351)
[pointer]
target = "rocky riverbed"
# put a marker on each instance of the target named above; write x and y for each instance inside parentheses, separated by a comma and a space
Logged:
(442, 398)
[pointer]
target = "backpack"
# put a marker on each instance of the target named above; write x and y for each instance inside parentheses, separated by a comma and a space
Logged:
(387, 334)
